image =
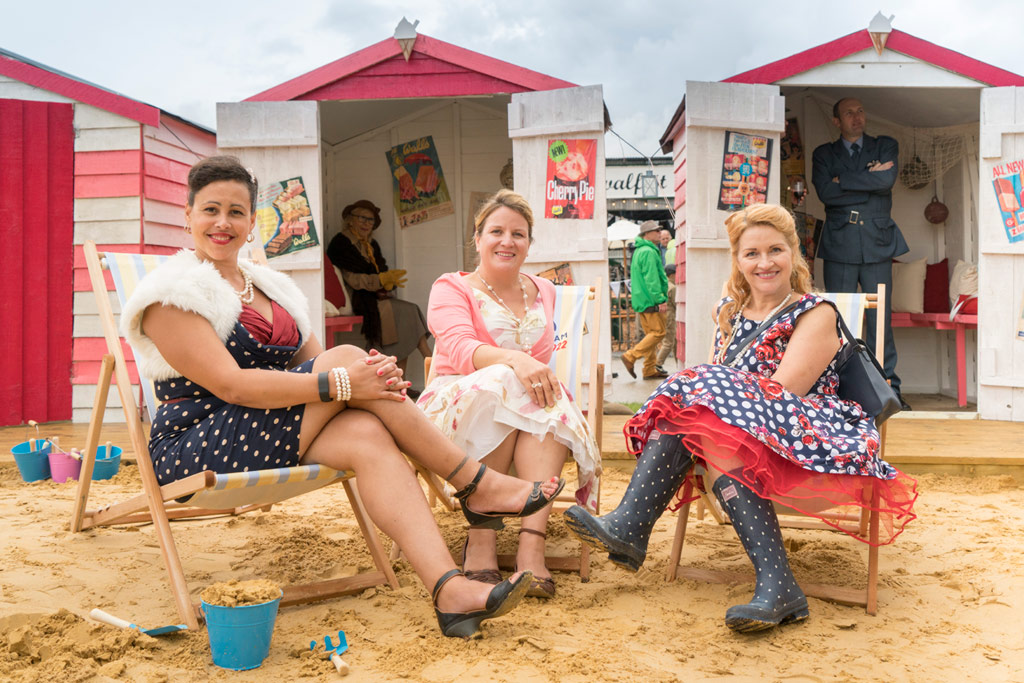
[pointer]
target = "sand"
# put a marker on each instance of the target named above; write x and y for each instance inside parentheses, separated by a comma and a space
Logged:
(951, 597)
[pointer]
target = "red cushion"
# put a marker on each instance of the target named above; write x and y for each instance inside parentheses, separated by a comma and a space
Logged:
(936, 287)
(333, 289)
(968, 304)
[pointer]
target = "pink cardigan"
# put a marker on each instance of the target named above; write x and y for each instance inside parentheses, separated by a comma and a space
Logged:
(458, 328)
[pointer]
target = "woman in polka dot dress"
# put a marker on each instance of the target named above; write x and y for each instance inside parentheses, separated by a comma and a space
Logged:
(245, 385)
(767, 425)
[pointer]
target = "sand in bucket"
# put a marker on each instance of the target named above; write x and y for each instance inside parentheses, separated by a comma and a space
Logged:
(240, 619)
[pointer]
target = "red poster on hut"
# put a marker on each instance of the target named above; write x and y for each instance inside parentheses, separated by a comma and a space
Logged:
(569, 189)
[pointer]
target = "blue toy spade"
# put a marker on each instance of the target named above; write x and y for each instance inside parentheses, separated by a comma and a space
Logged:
(334, 651)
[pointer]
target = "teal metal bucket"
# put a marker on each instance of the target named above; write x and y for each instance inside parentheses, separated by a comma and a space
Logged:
(108, 462)
(34, 465)
(240, 636)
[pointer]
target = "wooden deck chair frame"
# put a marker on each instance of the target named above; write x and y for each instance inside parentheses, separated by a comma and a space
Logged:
(243, 492)
(595, 418)
(865, 524)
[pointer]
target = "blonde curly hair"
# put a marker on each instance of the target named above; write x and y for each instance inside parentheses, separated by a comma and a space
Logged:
(737, 287)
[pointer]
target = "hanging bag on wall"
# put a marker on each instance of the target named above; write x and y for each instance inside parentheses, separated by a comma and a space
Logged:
(862, 379)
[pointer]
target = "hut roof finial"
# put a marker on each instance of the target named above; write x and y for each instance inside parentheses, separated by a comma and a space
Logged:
(879, 30)
(405, 34)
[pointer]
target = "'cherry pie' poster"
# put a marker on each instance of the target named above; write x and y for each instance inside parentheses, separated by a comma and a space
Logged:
(569, 185)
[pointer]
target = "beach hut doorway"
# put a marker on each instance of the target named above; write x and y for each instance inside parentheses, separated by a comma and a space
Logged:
(957, 134)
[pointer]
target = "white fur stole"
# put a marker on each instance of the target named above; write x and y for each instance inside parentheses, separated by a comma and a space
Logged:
(185, 282)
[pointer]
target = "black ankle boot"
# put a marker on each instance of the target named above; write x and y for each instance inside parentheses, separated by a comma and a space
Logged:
(624, 532)
(777, 597)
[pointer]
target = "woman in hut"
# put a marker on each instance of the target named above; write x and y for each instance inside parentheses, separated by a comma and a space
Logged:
(763, 418)
(392, 326)
(245, 386)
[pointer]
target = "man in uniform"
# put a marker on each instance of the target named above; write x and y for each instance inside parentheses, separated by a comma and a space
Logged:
(854, 177)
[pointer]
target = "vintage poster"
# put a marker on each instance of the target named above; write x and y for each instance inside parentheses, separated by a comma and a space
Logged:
(1007, 182)
(560, 274)
(420, 192)
(569, 184)
(283, 218)
(745, 163)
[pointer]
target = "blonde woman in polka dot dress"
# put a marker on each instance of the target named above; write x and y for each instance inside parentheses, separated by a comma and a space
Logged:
(245, 385)
(766, 423)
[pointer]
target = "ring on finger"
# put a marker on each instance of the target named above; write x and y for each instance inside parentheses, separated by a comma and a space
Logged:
(537, 385)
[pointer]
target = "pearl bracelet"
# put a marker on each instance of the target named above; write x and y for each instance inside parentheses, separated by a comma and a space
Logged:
(342, 384)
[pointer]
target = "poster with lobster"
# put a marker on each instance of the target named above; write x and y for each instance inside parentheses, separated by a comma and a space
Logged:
(569, 186)
(420, 192)
(283, 218)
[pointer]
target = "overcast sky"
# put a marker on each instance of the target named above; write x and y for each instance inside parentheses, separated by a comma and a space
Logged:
(185, 56)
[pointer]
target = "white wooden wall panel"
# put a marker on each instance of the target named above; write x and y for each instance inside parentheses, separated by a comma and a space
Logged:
(889, 67)
(107, 232)
(711, 110)
(11, 89)
(1000, 264)
(281, 140)
(535, 118)
(104, 139)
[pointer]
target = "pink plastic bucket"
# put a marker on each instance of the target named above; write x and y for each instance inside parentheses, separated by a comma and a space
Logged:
(64, 467)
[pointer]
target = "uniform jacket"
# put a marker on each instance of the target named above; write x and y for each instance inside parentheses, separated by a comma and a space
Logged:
(647, 277)
(858, 226)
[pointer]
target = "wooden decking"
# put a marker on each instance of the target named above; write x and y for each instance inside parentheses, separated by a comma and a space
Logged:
(915, 445)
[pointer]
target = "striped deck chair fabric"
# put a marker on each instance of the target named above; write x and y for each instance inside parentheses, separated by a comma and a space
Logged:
(851, 306)
(567, 359)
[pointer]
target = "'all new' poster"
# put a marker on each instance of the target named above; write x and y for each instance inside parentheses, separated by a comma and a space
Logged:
(569, 188)
(1006, 179)
(745, 164)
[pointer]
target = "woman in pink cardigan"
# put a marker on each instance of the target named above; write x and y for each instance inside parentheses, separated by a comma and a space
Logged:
(494, 394)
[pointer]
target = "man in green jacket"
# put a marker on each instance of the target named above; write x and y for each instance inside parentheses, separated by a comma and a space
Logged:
(649, 294)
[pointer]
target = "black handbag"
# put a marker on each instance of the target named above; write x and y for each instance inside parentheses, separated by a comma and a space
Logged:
(862, 379)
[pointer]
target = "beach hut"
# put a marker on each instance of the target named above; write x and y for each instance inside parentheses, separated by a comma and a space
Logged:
(960, 125)
(395, 121)
(77, 162)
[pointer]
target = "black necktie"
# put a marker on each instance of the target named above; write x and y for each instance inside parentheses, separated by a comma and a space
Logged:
(854, 149)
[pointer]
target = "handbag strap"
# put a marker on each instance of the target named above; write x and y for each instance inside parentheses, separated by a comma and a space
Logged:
(742, 345)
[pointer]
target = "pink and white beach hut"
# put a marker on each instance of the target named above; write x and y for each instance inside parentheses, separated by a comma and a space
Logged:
(960, 124)
(77, 162)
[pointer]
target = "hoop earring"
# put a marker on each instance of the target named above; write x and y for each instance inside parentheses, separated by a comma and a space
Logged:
(250, 238)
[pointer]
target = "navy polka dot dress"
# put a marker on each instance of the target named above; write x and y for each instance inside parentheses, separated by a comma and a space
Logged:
(193, 430)
(811, 452)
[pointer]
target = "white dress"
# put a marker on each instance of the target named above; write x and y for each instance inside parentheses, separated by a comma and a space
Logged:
(478, 411)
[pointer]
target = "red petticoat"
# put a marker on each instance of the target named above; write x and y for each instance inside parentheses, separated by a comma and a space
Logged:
(731, 450)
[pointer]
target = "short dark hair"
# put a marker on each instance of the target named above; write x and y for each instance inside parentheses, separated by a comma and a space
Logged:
(835, 107)
(213, 169)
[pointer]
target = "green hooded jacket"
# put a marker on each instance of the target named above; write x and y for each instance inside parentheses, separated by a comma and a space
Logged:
(647, 277)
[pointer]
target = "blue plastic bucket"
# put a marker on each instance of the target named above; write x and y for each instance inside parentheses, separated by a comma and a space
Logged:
(34, 465)
(240, 636)
(107, 463)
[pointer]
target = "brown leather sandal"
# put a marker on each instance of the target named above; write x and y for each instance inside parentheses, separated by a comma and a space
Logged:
(539, 588)
(488, 576)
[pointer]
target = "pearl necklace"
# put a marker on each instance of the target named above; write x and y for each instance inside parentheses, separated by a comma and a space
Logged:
(248, 294)
(732, 335)
(526, 309)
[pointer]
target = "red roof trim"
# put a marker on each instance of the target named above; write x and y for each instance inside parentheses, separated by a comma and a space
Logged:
(901, 42)
(319, 79)
(79, 91)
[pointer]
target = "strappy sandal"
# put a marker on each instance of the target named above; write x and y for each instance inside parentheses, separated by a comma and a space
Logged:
(500, 601)
(489, 576)
(494, 520)
(539, 588)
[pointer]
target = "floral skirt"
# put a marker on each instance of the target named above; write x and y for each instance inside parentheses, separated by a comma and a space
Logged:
(478, 412)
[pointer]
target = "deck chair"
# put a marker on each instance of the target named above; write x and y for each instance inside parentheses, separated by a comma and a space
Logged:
(207, 493)
(577, 313)
(865, 524)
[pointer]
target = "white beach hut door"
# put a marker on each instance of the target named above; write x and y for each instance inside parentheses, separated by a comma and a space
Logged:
(747, 118)
(1001, 255)
(567, 197)
(280, 141)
